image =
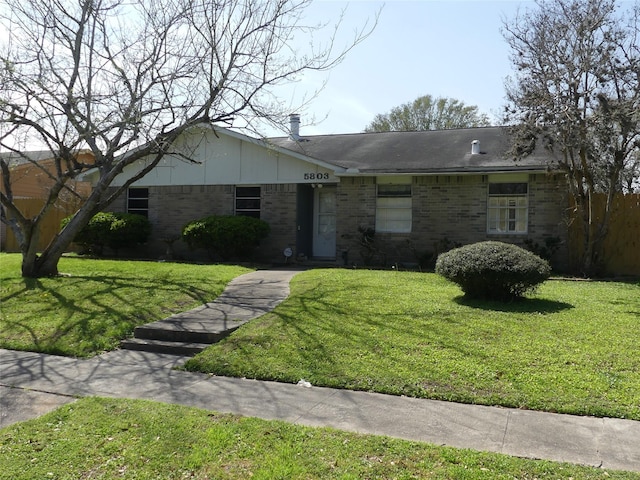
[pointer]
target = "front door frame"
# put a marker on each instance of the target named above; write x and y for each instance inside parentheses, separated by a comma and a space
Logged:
(324, 223)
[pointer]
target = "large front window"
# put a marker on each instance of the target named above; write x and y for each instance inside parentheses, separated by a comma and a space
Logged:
(507, 208)
(393, 208)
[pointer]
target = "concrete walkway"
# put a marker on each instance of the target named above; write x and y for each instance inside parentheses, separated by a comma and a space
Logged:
(246, 297)
(32, 384)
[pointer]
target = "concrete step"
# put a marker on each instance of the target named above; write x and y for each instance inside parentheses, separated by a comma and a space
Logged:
(169, 333)
(245, 298)
(179, 336)
(163, 346)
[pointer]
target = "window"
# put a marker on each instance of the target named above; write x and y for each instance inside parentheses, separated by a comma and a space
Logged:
(393, 208)
(248, 201)
(138, 201)
(507, 208)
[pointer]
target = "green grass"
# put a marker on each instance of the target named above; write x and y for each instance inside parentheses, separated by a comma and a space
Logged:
(571, 348)
(131, 439)
(98, 302)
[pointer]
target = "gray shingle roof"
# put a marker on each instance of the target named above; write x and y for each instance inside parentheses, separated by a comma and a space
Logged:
(437, 151)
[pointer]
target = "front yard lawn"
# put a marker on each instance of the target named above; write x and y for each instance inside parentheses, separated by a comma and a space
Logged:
(98, 302)
(107, 438)
(570, 348)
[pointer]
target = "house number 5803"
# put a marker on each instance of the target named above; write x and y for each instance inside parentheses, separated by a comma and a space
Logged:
(316, 176)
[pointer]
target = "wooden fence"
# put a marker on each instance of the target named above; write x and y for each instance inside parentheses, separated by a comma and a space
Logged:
(50, 226)
(621, 248)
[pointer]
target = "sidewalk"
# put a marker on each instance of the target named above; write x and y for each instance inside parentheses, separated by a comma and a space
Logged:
(32, 384)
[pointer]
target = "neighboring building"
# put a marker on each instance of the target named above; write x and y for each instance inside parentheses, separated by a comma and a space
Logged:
(324, 196)
(30, 174)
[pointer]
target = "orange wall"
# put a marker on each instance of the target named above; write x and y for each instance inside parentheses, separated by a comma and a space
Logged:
(30, 184)
(30, 180)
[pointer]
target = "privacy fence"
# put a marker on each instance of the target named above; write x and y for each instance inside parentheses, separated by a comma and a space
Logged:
(621, 248)
(50, 226)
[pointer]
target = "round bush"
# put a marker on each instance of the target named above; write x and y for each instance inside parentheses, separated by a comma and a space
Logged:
(226, 235)
(493, 270)
(113, 230)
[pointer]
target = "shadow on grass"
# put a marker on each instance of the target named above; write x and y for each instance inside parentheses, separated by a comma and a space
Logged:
(525, 305)
(92, 313)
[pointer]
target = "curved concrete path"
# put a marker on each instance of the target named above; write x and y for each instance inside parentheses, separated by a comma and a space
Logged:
(32, 384)
(246, 297)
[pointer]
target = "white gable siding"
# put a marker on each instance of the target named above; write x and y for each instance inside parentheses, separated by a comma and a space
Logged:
(221, 159)
(226, 159)
(256, 163)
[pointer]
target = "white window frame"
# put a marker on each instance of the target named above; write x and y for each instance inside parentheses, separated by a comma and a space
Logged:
(394, 208)
(508, 208)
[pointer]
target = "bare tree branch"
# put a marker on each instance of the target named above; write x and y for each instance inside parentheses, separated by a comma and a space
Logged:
(577, 90)
(126, 78)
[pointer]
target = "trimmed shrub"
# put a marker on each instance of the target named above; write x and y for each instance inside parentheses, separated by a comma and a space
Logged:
(227, 236)
(113, 230)
(493, 270)
(128, 230)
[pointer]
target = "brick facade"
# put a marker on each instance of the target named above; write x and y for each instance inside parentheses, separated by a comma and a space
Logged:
(278, 209)
(446, 211)
(171, 207)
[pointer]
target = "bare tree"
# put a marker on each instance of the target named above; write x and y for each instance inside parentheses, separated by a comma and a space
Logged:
(428, 113)
(125, 78)
(577, 91)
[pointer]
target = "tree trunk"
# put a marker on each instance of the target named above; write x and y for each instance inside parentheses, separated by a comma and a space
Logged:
(588, 268)
(587, 219)
(40, 266)
(46, 264)
(594, 231)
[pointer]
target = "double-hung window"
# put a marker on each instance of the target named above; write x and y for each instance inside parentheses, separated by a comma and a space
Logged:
(508, 208)
(138, 201)
(248, 201)
(393, 208)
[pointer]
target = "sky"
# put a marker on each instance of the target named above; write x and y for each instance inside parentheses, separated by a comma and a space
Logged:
(448, 48)
(444, 48)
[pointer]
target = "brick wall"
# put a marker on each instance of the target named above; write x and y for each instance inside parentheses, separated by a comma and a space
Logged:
(279, 211)
(447, 210)
(355, 207)
(548, 218)
(171, 207)
(450, 207)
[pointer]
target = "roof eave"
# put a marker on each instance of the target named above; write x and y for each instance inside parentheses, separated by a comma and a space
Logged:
(351, 172)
